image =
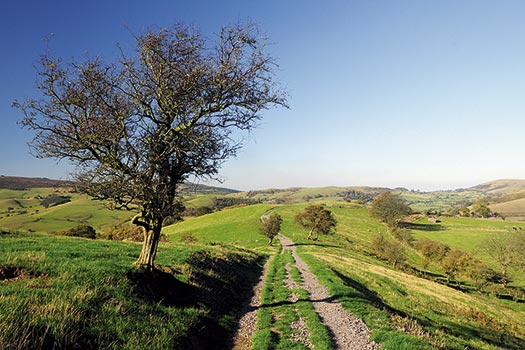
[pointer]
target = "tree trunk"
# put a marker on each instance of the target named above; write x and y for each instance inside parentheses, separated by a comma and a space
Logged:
(310, 233)
(149, 248)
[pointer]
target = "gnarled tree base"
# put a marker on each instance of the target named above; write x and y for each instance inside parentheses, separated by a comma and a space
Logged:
(149, 249)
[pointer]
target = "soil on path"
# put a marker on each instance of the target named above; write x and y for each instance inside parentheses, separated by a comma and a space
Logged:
(348, 332)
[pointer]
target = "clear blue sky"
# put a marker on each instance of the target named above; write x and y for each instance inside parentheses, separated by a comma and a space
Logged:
(420, 94)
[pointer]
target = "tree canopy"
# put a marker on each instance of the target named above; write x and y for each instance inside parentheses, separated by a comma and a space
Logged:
(270, 226)
(389, 208)
(317, 219)
(138, 127)
(508, 250)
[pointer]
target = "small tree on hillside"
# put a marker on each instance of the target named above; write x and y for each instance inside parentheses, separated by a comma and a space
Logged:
(464, 211)
(388, 250)
(317, 219)
(432, 251)
(271, 226)
(139, 127)
(481, 208)
(508, 249)
(455, 262)
(389, 208)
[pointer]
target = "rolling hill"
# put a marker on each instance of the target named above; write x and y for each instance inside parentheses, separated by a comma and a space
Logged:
(409, 308)
(21, 198)
(430, 313)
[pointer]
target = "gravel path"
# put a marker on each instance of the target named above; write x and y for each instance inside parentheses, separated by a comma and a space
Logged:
(248, 322)
(348, 332)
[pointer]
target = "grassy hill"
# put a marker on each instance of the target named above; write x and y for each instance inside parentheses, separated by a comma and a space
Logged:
(72, 293)
(503, 195)
(429, 313)
(26, 210)
(500, 187)
(506, 196)
(77, 293)
(21, 183)
(23, 206)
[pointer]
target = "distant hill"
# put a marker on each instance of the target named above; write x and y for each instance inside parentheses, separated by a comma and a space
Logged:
(306, 194)
(507, 196)
(22, 183)
(190, 188)
(500, 187)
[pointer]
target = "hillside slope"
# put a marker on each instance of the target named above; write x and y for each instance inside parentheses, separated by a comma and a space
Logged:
(21, 183)
(404, 310)
(500, 187)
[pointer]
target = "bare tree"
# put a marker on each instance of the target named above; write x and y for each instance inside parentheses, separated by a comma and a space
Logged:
(140, 126)
(508, 250)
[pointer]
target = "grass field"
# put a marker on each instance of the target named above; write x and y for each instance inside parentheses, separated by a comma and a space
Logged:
(75, 284)
(440, 315)
(237, 226)
(77, 293)
(23, 210)
(404, 311)
(468, 234)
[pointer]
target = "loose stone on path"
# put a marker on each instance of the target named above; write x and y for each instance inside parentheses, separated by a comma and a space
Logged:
(248, 322)
(348, 332)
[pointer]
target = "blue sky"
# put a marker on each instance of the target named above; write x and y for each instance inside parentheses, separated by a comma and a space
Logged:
(421, 94)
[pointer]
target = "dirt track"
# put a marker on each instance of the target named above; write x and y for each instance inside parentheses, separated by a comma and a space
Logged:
(347, 331)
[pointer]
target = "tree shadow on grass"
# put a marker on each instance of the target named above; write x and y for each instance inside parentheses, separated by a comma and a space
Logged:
(316, 244)
(161, 287)
(218, 284)
(421, 227)
(330, 299)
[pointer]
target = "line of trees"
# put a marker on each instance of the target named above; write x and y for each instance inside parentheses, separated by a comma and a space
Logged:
(507, 249)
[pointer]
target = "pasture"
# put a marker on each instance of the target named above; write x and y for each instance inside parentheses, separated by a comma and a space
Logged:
(77, 291)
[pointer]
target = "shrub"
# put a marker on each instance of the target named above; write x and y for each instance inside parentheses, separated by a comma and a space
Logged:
(225, 202)
(403, 235)
(128, 232)
(455, 262)
(82, 230)
(199, 211)
(188, 238)
(390, 251)
(125, 232)
(54, 199)
(170, 220)
(432, 251)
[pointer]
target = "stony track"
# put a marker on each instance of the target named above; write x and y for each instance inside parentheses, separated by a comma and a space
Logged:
(347, 331)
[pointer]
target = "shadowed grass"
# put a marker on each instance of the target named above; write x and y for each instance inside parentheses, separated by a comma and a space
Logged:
(83, 294)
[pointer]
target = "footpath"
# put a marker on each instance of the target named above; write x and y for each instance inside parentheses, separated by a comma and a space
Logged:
(346, 331)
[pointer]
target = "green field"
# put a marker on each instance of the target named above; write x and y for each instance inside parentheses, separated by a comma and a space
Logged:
(82, 292)
(22, 210)
(367, 286)
(78, 293)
